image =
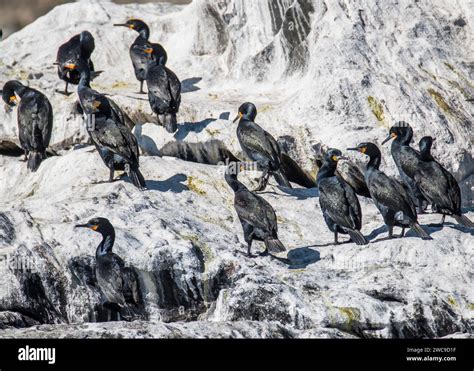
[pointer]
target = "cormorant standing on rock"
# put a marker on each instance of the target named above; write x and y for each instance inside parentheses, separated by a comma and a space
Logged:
(117, 283)
(164, 90)
(140, 63)
(258, 219)
(339, 204)
(406, 158)
(260, 146)
(35, 120)
(79, 46)
(114, 141)
(389, 195)
(439, 186)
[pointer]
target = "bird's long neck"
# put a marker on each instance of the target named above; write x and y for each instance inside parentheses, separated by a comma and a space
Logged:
(143, 34)
(374, 162)
(425, 154)
(20, 90)
(233, 182)
(85, 79)
(327, 170)
(106, 245)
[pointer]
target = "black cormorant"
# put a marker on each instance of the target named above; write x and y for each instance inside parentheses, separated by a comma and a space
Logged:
(406, 158)
(35, 120)
(258, 219)
(117, 283)
(79, 46)
(260, 146)
(339, 204)
(164, 90)
(113, 139)
(389, 195)
(439, 186)
(140, 63)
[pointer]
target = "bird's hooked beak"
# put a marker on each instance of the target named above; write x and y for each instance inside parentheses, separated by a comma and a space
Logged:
(358, 149)
(123, 25)
(389, 138)
(238, 117)
(93, 227)
(13, 99)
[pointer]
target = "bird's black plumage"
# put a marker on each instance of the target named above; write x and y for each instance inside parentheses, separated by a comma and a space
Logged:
(258, 219)
(389, 195)
(113, 139)
(35, 120)
(406, 158)
(438, 185)
(78, 47)
(338, 201)
(260, 146)
(118, 284)
(139, 60)
(164, 90)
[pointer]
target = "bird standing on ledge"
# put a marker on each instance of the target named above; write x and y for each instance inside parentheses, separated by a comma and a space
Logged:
(389, 195)
(338, 201)
(117, 283)
(439, 186)
(35, 120)
(79, 46)
(260, 146)
(258, 219)
(139, 61)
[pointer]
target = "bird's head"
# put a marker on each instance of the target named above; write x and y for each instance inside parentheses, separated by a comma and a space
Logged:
(367, 148)
(133, 24)
(76, 65)
(145, 50)
(11, 91)
(87, 40)
(333, 156)
(247, 111)
(99, 225)
(425, 144)
(400, 130)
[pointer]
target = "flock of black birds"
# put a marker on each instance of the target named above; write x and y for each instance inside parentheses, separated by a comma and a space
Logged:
(424, 181)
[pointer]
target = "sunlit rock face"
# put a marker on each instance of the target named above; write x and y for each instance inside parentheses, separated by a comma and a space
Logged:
(324, 74)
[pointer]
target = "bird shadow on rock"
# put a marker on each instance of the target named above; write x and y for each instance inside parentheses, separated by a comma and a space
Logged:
(301, 257)
(173, 184)
(189, 85)
(460, 228)
(377, 232)
(300, 193)
(146, 143)
(191, 127)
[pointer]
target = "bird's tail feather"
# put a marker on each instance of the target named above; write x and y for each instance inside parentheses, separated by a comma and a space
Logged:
(274, 245)
(34, 160)
(281, 179)
(137, 178)
(420, 231)
(357, 237)
(464, 220)
(170, 122)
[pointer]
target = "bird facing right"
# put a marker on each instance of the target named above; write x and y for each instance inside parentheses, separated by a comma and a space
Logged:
(389, 195)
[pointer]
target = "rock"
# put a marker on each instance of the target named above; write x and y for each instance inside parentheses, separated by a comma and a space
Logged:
(342, 75)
